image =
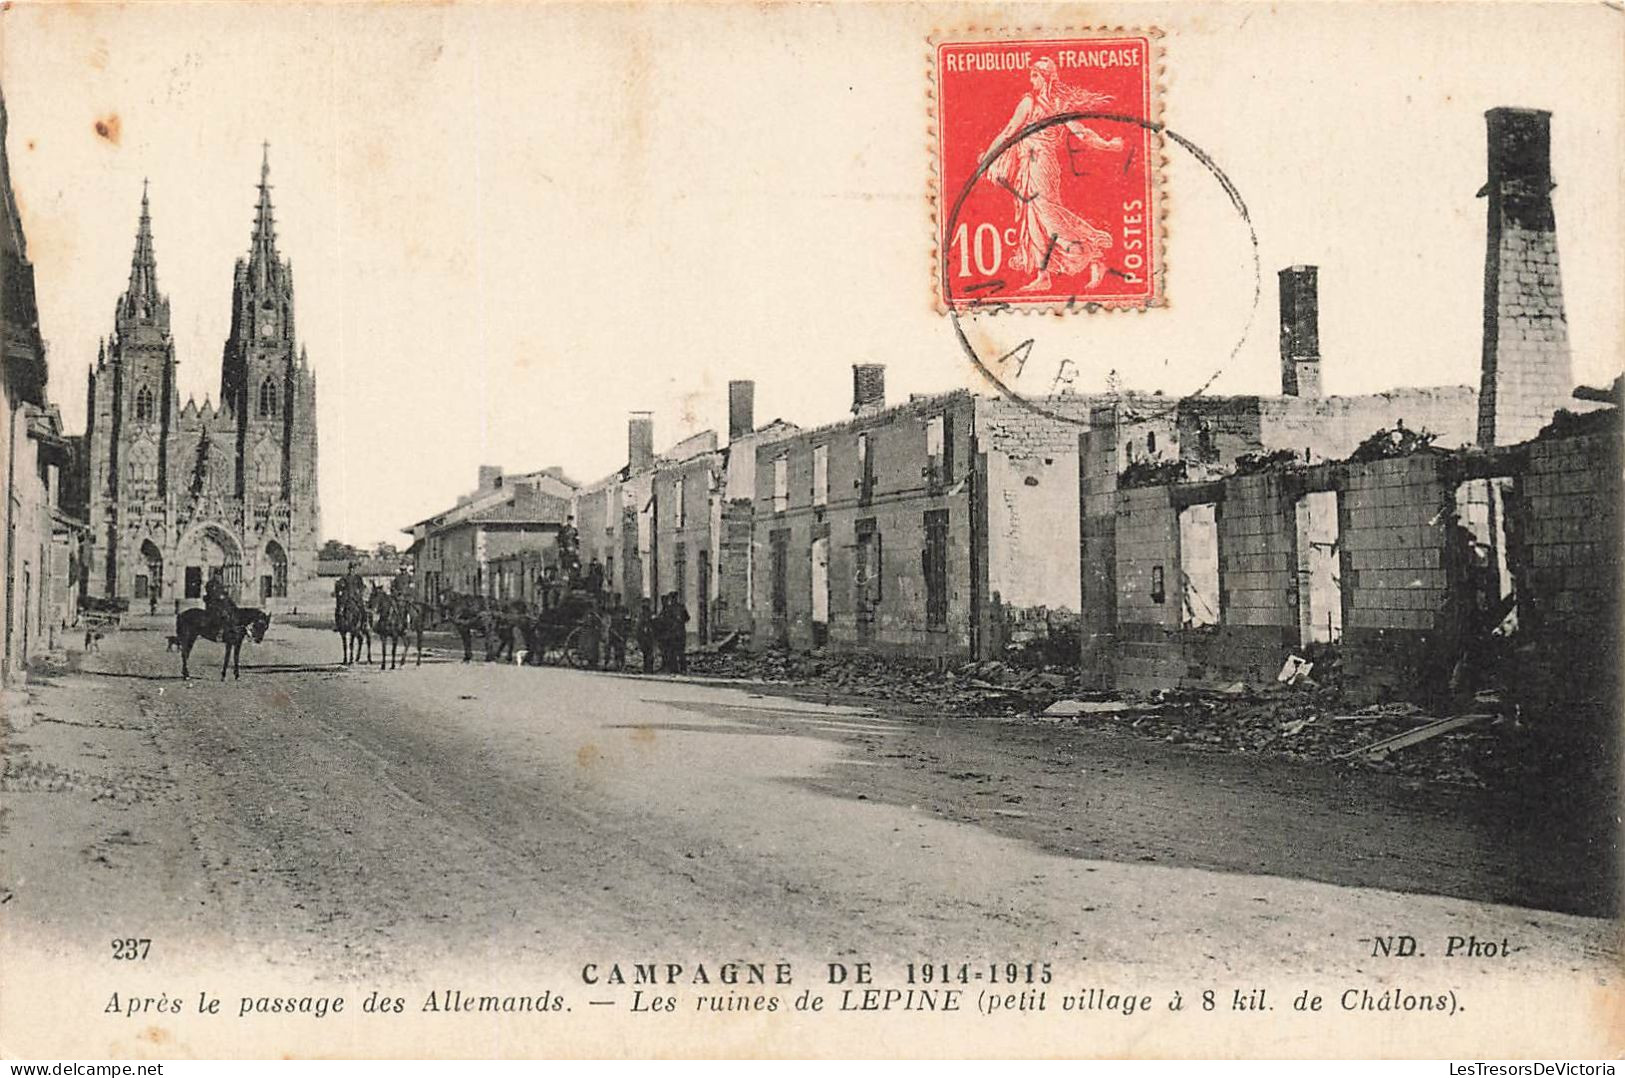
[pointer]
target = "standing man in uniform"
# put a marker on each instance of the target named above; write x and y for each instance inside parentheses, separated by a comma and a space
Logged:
(646, 636)
(619, 624)
(679, 634)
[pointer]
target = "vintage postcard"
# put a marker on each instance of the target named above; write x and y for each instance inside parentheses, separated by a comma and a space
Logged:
(566, 530)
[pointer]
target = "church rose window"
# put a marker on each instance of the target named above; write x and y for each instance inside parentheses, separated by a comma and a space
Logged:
(268, 399)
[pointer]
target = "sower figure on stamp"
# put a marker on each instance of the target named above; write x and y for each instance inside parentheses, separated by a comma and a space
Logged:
(1050, 237)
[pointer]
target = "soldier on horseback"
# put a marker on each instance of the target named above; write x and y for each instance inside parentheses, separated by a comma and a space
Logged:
(350, 616)
(217, 602)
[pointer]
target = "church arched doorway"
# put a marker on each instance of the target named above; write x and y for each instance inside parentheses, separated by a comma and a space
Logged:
(150, 585)
(211, 552)
(274, 579)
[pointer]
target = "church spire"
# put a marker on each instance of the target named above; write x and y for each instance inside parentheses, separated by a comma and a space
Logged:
(141, 302)
(141, 298)
(262, 259)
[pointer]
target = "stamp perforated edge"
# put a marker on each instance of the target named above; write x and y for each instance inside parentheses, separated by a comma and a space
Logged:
(936, 197)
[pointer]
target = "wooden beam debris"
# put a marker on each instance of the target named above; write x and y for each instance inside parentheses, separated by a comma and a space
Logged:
(1378, 750)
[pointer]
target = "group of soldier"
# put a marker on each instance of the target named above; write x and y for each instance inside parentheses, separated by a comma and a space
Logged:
(662, 633)
(352, 589)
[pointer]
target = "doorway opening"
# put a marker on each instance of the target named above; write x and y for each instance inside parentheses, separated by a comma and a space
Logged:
(1320, 576)
(1199, 565)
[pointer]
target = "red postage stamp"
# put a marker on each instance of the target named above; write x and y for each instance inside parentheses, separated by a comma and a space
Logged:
(1047, 159)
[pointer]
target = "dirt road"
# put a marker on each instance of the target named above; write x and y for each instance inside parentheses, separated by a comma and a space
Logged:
(366, 823)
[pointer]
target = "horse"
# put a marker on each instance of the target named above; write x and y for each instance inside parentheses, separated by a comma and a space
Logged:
(395, 618)
(204, 623)
(464, 612)
(353, 621)
(499, 621)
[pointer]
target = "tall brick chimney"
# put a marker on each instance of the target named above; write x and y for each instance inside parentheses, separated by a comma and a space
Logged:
(1528, 373)
(868, 388)
(1300, 332)
(741, 409)
(640, 442)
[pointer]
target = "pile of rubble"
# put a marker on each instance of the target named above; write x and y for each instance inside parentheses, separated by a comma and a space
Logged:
(1481, 745)
(1484, 743)
(989, 688)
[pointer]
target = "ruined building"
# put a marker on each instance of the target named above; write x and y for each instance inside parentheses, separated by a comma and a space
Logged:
(1415, 569)
(1527, 371)
(179, 493)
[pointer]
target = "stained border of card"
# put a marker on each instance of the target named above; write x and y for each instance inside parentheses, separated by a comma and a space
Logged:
(939, 200)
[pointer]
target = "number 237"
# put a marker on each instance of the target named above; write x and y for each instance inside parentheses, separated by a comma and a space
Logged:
(125, 950)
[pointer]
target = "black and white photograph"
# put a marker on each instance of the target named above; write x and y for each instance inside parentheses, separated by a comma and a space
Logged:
(785, 530)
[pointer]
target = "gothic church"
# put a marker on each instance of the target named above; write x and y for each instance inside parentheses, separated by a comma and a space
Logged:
(178, 493)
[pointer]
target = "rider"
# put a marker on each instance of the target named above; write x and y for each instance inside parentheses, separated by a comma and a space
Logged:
(401, 586)
(216, 601)
(349, 589)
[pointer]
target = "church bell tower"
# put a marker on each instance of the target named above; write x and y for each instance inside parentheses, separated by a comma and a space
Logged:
(259, 373)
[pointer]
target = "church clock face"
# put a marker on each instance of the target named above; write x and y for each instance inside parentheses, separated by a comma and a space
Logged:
(267, 327)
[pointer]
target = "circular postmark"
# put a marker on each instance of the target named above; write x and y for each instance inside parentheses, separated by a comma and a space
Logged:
(983, 298)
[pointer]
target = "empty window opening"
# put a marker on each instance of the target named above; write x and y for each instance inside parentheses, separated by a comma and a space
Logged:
(679, 568)
(867, 577)
(1320, 578)
(934, 563)
(938, 451)
(779, 550)
(866, 469)
(1480, 538)
(1199, 565)
(820, 487)
(820, 581)
(781, 484)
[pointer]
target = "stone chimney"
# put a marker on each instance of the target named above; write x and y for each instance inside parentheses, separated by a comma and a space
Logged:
(868, 388)
(640, 442)
(1300, 332)
(741, 409)
(490, 477)
(1527, 371)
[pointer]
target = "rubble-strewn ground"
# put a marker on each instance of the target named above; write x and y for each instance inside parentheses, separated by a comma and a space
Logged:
(359, 820)
(1305, 721)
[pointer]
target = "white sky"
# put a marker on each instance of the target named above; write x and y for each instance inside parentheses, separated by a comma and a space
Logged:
(511, 224)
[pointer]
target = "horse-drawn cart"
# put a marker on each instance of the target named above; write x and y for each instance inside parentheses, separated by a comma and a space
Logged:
(566, 631)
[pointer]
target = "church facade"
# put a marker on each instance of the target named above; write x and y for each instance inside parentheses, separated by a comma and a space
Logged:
(178, 493)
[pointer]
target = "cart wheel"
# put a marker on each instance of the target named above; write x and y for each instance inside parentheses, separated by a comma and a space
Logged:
(572, 649)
